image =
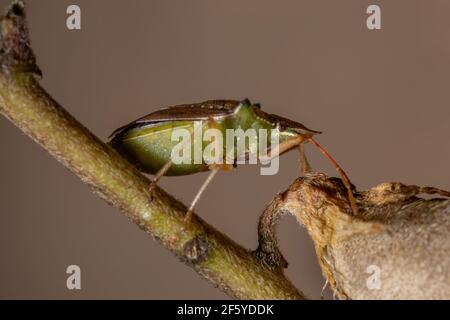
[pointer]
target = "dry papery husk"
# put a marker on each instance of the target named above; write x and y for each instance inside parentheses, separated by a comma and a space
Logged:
(396, 246)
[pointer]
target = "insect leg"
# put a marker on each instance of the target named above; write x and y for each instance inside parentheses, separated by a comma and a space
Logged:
(343, 175)
(305, 167)
(161, 172)
(188, 216)
(211, 123)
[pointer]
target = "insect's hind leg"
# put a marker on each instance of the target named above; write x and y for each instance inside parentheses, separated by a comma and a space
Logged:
(343, 175)
(166, 167)
(161, 172)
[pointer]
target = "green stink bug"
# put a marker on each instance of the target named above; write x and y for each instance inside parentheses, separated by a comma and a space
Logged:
(148, 141)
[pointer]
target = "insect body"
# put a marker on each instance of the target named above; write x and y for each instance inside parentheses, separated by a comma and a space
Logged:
(148, 142)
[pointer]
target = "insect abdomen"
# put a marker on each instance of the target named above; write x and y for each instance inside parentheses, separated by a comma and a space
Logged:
(150, 147)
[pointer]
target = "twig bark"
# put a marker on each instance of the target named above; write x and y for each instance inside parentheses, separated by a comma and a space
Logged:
(24, 102)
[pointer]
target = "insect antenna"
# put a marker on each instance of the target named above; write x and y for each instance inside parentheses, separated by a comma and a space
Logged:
(342, 173)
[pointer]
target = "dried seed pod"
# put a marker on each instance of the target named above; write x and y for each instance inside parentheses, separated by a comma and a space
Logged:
(396, 247)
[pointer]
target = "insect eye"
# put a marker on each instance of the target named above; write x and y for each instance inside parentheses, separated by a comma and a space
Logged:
(257, 105)
(245, 102)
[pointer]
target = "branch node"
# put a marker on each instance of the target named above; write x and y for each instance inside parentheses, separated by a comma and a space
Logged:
(196, 250)
(15, 49)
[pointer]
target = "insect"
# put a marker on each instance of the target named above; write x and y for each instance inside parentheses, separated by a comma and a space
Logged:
(147, 142)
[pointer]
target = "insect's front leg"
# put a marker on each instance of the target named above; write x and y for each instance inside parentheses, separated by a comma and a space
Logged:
(305, 167)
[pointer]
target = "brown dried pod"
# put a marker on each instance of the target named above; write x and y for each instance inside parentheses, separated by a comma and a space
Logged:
(396, 247)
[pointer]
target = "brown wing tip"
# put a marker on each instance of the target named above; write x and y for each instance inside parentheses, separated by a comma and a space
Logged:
(121, 130)
(114, 133)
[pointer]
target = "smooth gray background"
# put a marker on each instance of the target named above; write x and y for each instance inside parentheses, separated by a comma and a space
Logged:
(381, 97)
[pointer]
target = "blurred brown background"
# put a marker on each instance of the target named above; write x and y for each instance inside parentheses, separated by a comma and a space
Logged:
(382, 99)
